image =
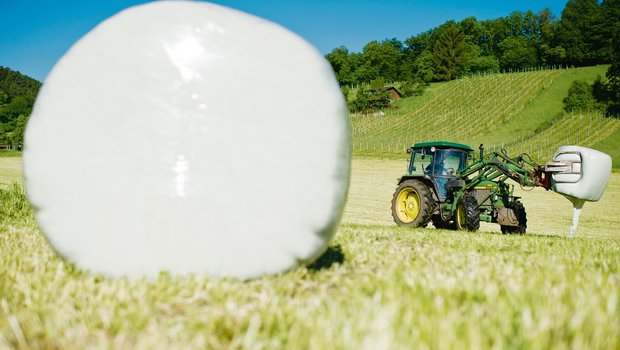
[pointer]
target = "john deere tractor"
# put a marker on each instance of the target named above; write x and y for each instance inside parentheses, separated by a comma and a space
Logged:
(446, 184)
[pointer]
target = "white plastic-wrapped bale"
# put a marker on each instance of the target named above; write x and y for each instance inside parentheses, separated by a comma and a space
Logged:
(588, 176)
(191, 138)
(582, 176)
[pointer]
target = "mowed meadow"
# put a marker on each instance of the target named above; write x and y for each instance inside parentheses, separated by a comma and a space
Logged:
(377, 287)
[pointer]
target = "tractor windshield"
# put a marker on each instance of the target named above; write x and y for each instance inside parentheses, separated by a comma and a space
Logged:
(438, 162)
(448, 162)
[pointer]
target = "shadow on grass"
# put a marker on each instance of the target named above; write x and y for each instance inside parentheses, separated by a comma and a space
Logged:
(495, 233)
(333, 255)
(528, 235)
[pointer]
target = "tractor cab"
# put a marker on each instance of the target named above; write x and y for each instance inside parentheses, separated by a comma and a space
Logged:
(438, 162)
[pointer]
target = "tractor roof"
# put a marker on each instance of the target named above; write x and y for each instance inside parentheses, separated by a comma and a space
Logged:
(442, 144)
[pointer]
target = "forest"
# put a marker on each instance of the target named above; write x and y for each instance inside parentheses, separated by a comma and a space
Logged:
(582, 36)
(586, 34)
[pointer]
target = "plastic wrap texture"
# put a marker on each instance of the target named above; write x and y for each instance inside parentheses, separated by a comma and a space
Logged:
(589, 174)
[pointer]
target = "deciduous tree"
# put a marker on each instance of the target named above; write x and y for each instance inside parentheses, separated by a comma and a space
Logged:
(579, 32)
(517, 53)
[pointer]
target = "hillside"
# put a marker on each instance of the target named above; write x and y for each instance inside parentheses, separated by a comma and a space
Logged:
(17, 96)
(14, 84)
(521, 112)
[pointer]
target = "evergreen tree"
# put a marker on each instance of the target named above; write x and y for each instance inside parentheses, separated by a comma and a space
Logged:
(449, 52)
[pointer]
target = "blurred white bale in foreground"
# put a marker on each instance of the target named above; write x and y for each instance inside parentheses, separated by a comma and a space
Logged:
(192, 138)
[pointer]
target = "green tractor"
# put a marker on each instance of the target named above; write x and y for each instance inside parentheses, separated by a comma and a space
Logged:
(445, 184)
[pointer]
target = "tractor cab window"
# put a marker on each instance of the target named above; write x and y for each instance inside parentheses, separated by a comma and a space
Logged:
(420, 160)
(437, 162)
(447, 162)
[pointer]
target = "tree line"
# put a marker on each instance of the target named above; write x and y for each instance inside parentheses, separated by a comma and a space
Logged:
(582, 36)
(17, 95)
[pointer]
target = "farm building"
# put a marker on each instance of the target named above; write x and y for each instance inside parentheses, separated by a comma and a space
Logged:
(394, 93)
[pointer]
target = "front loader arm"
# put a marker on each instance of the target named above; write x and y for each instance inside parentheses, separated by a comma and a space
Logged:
(499, 167)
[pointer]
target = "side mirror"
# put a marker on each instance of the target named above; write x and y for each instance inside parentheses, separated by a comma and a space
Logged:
(409, 150)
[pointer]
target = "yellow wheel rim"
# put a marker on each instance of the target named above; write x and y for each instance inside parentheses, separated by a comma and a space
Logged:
(408, 205)
(460, 216)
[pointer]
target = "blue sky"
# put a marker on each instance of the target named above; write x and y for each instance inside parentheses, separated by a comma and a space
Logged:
(34, 34)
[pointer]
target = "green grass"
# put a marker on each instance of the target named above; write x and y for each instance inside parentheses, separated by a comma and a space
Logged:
(10, 170)
(456, 111)
(379, 286)
(541, 111)
(9, 153)
(412, 104)
(584, 129)
(611, 146)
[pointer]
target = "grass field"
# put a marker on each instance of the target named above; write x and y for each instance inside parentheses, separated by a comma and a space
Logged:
(611, 145)
(378, 286)
(545, 107)
(10, 170)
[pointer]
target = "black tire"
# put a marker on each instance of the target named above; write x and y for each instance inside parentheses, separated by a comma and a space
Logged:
(467, 215)
(412, 204)
(521, 215)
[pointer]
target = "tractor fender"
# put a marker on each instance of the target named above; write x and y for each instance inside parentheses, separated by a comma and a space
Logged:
(425, 180)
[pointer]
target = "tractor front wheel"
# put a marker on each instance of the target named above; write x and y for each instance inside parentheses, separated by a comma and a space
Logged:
(412, 204)
(467, 216)
(519, 211)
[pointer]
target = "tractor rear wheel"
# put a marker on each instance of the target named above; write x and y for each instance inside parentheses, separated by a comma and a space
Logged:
(467, 216)
(412, 204)
(519, 211)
